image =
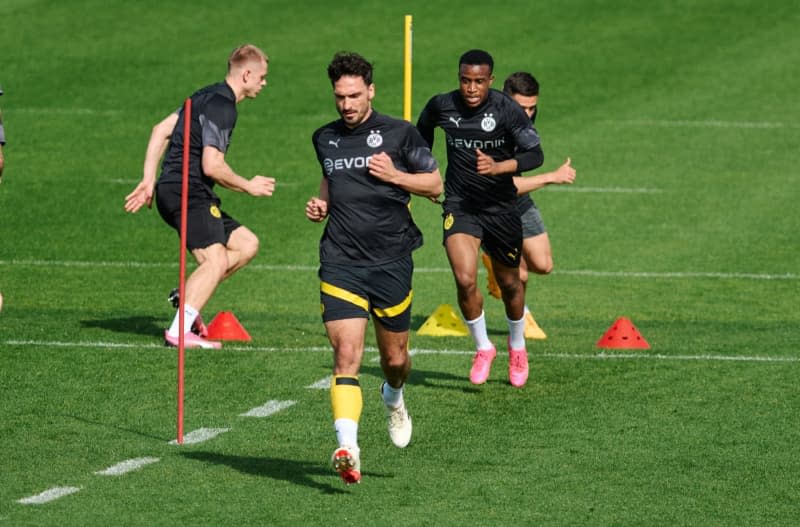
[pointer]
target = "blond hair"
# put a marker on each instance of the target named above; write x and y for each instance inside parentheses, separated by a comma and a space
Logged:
(244, 54)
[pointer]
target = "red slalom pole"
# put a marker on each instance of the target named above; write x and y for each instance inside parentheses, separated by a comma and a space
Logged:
(187, 127)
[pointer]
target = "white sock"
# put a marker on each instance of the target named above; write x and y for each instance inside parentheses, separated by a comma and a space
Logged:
(392, 397)
(477, 329)
(346, 432)
(516, 332)
(189, 316)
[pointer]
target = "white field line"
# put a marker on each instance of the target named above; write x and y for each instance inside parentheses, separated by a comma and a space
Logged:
(49, 495)
(269, 408)
(321, 384)
(129, 465)
(200, 435)
(677, 275)
(710, 123)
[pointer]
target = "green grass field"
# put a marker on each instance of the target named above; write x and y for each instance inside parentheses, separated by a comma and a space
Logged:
(682, 121)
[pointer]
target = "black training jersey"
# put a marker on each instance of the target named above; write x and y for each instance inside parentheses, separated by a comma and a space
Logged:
(213, 118)
(368, 220)
(498, 127)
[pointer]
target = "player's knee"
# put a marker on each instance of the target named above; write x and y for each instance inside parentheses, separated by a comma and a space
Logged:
(395, 361)
(246, 243)
(546, 268)
(251, 248)
(541, 265)
(465, 281)
(346, 358)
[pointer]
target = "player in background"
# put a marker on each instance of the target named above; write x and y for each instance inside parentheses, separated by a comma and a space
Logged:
(489, 139)
(536, 251)
(371, 164)
(219, 243)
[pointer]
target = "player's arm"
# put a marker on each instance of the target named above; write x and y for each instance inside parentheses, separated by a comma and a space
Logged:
(427, 184)
(317, 207)
(528, 153)
(564, 174)
(487, 166)
(427, 122)
(215, 167)
(156, 146)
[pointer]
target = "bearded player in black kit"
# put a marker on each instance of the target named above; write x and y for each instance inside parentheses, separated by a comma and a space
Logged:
(489, 140)
(371, 164)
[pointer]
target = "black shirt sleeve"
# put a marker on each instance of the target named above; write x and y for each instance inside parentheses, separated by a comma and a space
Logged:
(427, 121)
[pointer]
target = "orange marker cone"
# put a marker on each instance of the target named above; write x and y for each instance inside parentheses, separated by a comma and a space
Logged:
(226, 326)
(623, 335)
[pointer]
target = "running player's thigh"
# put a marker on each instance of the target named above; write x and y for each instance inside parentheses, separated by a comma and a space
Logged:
(242, 239)
(213, 253)
(505, 275)
(462, 252)
(347, 338)
(538, 253)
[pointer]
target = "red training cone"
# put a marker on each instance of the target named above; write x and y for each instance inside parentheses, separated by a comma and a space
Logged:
(623, 335)
(226, 326)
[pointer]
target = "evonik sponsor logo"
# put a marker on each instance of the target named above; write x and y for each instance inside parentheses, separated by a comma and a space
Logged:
(458, 142)
(345, 163)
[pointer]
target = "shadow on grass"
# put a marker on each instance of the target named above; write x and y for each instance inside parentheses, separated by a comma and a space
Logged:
(150, 326)
(116, 427)
(297, 472)
(429, 378)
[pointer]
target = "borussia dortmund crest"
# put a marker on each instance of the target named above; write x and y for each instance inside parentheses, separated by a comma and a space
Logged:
(488, 123)
(374, 139)
(449, 221)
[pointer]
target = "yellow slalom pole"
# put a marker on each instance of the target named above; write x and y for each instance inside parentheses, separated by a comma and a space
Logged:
(408, 30)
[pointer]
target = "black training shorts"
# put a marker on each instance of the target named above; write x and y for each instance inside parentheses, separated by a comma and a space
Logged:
(348, 291)
(206, 224)
(500, 232)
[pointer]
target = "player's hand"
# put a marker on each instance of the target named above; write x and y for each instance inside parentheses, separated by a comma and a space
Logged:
(485, 164)
(316, 209)
(142, 195)
(382, 167)
(564, 174)
(261, 186)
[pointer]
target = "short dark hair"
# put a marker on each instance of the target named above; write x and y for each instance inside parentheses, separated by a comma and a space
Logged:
(522, 83)
(476, 57)
(349, 63)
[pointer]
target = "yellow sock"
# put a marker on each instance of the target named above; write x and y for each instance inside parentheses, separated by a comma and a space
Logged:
(346, 397)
